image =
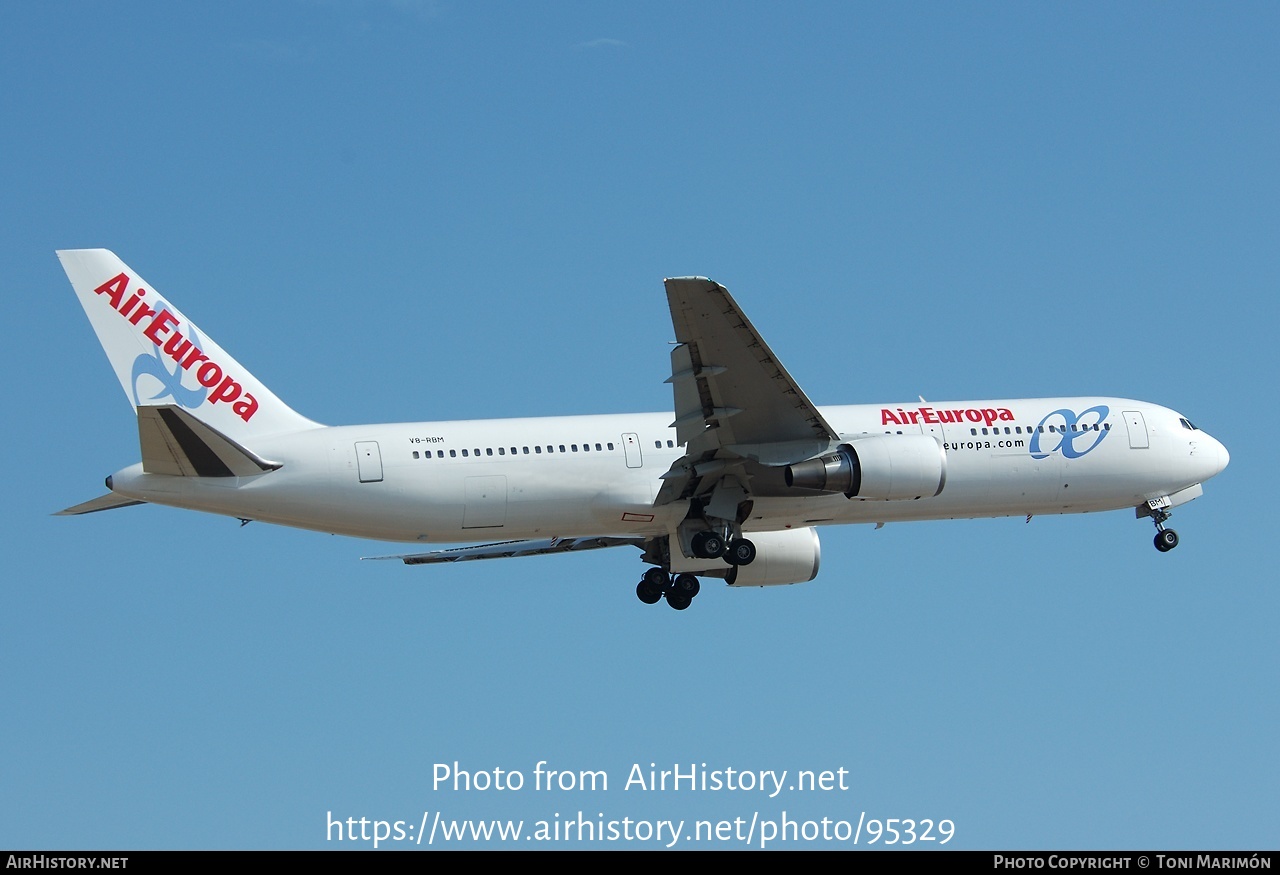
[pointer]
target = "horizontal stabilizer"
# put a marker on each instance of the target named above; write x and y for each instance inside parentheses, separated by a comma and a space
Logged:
(105, 502)
(176, 443)
(507, 549)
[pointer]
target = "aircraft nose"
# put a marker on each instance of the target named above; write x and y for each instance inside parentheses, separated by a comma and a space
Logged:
(1214, 454)
(1223, 456)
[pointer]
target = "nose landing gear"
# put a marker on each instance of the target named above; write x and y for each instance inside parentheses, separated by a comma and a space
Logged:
(1166, 539)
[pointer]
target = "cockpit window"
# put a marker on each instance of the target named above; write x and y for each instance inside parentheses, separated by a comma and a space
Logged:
(1186, 423)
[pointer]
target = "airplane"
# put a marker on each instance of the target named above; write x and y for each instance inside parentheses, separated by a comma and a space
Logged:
(732, 484)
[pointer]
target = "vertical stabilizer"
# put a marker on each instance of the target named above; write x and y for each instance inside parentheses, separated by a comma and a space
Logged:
(162, 358)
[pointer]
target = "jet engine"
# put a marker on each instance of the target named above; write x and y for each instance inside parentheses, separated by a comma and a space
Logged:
(782, 557)
(891, 467)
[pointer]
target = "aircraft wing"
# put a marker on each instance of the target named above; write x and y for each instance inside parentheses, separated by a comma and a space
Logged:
(507, 549)
(729, 386)
(736, 407)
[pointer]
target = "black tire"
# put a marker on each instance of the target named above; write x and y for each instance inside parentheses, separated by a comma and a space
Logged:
(707, 545)
(1166, 540)
(677, 601)
(695, 543)
(647, 594)
(741, 552)
(686, 585)
(657, 579)
(712, 546)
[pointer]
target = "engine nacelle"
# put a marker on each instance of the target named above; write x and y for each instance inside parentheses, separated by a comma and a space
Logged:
(782, 557)
(891, 467)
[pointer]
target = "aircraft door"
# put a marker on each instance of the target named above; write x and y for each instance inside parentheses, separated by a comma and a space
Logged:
(631, 446)
(1137, 425)
(369, 461)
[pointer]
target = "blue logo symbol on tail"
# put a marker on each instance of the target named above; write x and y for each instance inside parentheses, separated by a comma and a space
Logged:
(153, 365)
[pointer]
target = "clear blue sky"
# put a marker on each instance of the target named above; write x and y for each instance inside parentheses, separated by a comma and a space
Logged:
(414, 210)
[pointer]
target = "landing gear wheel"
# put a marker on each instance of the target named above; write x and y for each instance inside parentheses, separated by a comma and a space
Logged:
(647, 593)
(677, 601)
(686, 585)
(707, 545)
(657, 579)
(741, 552)
(1166, 540)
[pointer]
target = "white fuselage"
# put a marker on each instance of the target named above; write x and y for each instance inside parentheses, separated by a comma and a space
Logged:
(508, 479)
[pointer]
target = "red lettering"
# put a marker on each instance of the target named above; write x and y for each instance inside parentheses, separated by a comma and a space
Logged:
(160, 326)
(228, 390)
(931, 416)
(114, 289)
(194, 356)
(141, 313)
(246, 407)
(160, 331)
(176, 347)
(129, 304)
(209, 374)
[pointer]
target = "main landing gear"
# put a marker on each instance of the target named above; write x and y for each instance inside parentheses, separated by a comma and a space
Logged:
(711, 545)
(679, 591)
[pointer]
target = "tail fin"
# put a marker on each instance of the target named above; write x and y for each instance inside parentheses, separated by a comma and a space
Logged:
(162, 358)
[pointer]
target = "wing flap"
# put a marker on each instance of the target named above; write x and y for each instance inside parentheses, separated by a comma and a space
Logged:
(509, 549)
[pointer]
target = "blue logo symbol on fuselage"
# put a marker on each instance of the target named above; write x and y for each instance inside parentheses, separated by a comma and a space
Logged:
(1069, 427)
(152, 365)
